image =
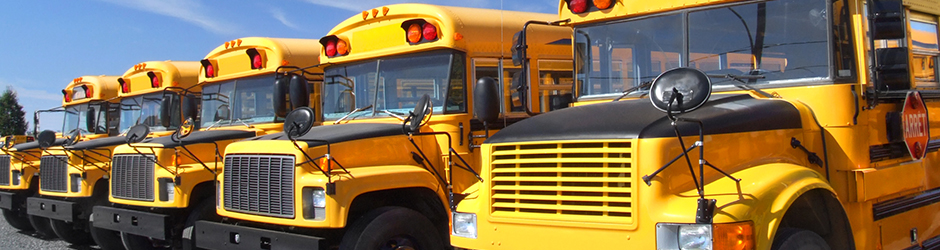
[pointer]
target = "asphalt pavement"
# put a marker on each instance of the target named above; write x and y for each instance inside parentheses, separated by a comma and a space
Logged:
(13, 239)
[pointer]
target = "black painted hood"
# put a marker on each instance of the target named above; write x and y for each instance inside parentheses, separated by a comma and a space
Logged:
(97, 143)
(35, 144)
(639, 119)
(205, 136)
(320, 135)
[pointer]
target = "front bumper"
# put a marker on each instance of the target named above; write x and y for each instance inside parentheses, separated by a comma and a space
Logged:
(213, 235)
(53, 209)
(6, 200)
(133, 222)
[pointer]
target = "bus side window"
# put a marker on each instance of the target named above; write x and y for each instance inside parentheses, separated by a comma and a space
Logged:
(925, 51)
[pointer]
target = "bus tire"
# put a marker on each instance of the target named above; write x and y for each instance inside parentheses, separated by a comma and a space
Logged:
(205, 210)
(42, 225)
(68, 233)
(16, 221)
(390, 228)
(137, 242)
(798, 239)
(106, 239)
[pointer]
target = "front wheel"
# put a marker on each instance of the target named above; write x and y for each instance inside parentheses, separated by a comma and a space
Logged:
(137, 242)
(392, 228)
(42, 225)
(16, 221)
(67, 232)
(106, 239)
(798, 239)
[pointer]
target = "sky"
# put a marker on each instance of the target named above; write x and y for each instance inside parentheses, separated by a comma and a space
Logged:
(46, 44)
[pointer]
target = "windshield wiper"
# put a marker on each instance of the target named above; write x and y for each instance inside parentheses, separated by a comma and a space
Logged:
(634, 89)
(743, 84)
(214, 123)
(352, 112)
(394, 114)
(243, 122)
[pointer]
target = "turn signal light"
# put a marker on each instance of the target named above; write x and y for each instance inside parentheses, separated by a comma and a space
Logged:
(255, 58)
(125, 86)
(154, 79)
(602, 4)
(419, 31)
(581, 6)
(736, 236)
(210, 68)
(334, 46)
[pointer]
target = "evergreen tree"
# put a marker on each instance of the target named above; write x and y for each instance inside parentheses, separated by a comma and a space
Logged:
(12, 117)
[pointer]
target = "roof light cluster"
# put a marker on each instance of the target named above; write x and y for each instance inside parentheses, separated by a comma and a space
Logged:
(419, 31)
(125, 85)
(210, 68)
(256, 58)
(581, 6)
(334, 46)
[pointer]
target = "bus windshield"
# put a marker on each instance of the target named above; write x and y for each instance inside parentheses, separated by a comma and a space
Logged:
(76, 118)
(783, 41)
(142, 109)
(239, 101)
(393, 85)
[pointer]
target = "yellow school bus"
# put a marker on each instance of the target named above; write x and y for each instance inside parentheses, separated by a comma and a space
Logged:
(19, 161)
(160, 186)
(372, 175)
(781, 124)
(74, 177)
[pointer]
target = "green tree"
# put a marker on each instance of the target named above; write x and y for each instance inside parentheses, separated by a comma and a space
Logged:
(12, 117)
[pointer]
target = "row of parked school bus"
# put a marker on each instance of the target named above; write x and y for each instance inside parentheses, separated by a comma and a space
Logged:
(415, 126)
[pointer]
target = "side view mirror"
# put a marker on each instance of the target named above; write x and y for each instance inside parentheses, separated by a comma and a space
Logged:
(518, 48)
(299, 94)
(166, 109)
(90, 120)
(281, 87)
(486, 100)
(190, 107)
(887, 19)
(222, 113)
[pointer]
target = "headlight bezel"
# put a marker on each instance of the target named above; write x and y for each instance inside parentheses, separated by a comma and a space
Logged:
(314, 203)
(464, 225)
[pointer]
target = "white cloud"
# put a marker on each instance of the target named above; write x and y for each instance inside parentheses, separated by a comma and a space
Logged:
(280, 16)
(187, 10)
(361, 5)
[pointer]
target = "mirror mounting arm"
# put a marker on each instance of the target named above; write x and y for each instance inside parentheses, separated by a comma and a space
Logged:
(521, 46)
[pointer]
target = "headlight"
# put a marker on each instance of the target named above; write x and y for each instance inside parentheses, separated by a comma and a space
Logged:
(75, 183)
(314, 200)
(683, 236)
(465, 225)
(167, 189)
(16, 177)
(695, 237)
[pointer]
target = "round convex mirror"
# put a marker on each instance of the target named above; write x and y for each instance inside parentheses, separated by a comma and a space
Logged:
(692, 85)
(422, 111)
(46, 138)
(137, 133)
(298, 122)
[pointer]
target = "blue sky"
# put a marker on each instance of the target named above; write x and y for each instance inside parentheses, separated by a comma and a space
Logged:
(45, 44)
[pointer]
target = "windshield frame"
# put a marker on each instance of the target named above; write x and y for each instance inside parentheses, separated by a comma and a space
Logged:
(583, 55)
(79, 113)
(448, 95)
(153, 101)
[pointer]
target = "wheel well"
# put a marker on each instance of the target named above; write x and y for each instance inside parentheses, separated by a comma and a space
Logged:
(101, 184)
(819, 211)
(202, 191)
(419, 199)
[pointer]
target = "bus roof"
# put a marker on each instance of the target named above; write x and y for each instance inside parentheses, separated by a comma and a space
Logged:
(234, 58)
(90, 88)
(479, 32)
(140, 79)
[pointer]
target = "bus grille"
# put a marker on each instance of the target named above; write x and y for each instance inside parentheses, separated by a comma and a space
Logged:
(132, 177)
(54, 173)
(259, 184)
(4, 170)
(578, 182)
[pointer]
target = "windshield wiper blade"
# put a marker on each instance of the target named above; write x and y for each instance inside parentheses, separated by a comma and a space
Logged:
(214, 123)
(393, 114)
(243, 122)
(634, 89)
(352, 112)
(743, 84)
